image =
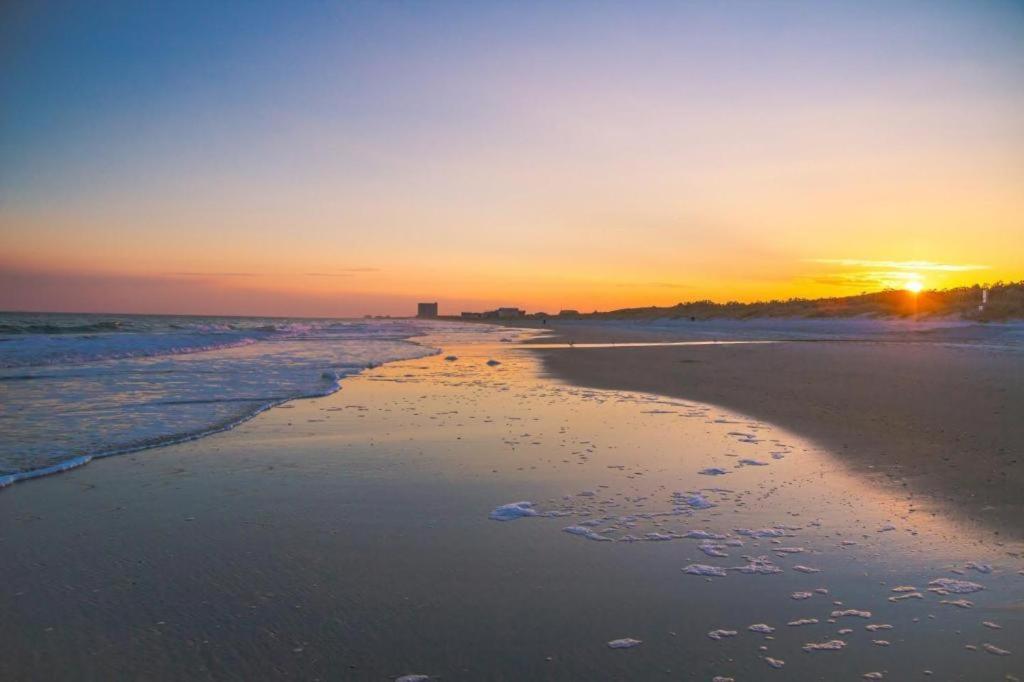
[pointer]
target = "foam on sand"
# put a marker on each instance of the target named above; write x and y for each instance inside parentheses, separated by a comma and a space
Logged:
(953, 586)
(851, 612)
(720, 634)
(996, 651)
(624, 643)
(588, 533)
(513, 511)
(831, 645)
(704, 569)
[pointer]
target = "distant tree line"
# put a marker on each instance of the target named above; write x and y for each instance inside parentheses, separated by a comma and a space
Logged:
(1005, 301)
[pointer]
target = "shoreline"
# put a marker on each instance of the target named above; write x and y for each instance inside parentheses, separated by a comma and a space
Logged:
(79, 460)
(938, 419)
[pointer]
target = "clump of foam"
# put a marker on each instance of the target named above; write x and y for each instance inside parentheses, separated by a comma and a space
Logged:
(703, 535)
(806, 569)
(412, 678)
(713, 471)
(851, 612)
(762, 628)
(993, 649)
(704, 569)
(712, 549)
(803, 621)
(588, 533)
(694, 500)
(624, 643)
(979, 567)
(774, 662)
(758, 566)
(752, 463)
(959, 603)
(801, 595)
(906, 595)
(953, 586)
(875, 627)
(658, 537)
(513, 511)
(831, 645)
(762, 532)
(719, 634)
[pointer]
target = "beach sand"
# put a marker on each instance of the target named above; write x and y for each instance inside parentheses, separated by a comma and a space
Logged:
(947, 420)
(350, 537)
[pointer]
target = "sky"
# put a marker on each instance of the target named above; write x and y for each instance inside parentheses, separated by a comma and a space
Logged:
(351, 158)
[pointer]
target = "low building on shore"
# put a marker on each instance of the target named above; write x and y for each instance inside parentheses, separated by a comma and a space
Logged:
(497, 314)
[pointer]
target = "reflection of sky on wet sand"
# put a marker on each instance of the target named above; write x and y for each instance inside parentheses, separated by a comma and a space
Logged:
(348, 537)
(613, 463)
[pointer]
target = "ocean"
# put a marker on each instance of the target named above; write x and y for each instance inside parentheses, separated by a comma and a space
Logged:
(78, 386)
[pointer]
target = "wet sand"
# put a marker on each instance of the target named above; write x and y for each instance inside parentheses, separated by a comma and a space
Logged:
(944, 419)
(351, 537)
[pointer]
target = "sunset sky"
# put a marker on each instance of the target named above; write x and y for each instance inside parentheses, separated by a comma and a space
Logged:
(346, 158)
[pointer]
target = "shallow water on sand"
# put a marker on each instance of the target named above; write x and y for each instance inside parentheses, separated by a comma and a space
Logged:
(349, 537)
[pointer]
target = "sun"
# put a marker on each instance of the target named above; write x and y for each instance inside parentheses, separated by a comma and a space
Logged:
(914, 286)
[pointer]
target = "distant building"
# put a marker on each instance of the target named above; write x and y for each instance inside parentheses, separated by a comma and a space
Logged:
(500, 313)
(426, 310)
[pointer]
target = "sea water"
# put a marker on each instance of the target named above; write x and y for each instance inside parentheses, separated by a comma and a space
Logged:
(74, 387)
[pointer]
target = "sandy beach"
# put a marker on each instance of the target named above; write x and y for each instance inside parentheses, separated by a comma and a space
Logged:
(942, 418)
(465, 517)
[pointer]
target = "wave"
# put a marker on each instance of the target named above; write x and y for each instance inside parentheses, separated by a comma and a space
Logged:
(85, 399)
(162, 441)
(30, 328)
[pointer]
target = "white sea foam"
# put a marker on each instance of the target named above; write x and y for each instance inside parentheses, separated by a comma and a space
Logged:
(694, 500)
(803, 621)
(831, 645)
(953, 586)
(993, 649)
(851, 612)
(513, 511)
(759, 566)
(721, 634)
(704, 569)
(588, 533)
(762, 532)
(624, 643)
(703, 535)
